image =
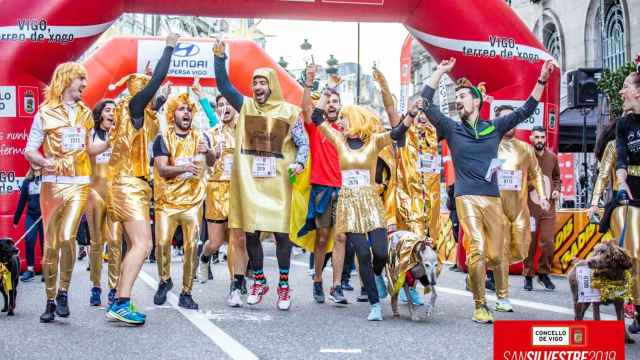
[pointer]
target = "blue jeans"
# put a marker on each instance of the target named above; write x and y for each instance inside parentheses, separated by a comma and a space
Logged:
(31, 237)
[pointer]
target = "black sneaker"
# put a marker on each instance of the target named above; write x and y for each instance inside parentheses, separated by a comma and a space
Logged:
(186, 301)
(318, 292)
(336, 296)
(490, 284)
(161, 295)
(528, 283)
(62, 304)
(363, 297)
(49, 312)
(546, 282)
(82, 254)
(215, 257)
(346, 286)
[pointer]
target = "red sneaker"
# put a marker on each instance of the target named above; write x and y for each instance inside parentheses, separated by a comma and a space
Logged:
(258, 290)
(284, 300)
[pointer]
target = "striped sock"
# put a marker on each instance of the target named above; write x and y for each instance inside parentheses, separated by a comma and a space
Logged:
(284, 278)
(259, 276)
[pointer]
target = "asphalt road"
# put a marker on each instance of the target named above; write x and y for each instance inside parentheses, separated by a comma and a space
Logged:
(307, 331)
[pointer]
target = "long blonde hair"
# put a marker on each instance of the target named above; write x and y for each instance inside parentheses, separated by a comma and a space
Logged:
(360, 122)
(62, 77)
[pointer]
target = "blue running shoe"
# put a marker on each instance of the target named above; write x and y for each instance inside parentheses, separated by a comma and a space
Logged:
(95, 296)
(382, 288)
(126, 313)
(112, 296)
(27, 276)
(375, 313)
(416, 299)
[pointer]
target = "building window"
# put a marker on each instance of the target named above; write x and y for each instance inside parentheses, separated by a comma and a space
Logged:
(551, 41)
(613, 39)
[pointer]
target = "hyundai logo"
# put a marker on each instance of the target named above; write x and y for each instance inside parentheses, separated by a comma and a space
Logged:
(186, 50)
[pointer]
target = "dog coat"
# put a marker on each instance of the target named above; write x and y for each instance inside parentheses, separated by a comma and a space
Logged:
(404, 254)
(5, 277)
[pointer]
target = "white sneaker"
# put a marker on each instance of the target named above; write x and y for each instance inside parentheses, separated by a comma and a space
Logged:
(284, 300)
(257, 292)
(504, 305)
(235, 298)
(203, 272)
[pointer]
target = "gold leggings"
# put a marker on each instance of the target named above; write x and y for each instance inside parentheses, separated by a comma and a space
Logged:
(166, 223)
(483, 222)
(96, 216)
(517, 236)
(631, 241)
(113, 233)
(62, 206)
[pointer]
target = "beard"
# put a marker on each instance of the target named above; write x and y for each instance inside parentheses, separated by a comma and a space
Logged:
(184, 127)
(539, 146)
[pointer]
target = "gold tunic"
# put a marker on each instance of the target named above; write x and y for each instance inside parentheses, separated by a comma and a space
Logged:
(180, 193)
(418, 190)
(359, 209)
(606, 172)
(217, 203)
(404, 253)
(263, 132)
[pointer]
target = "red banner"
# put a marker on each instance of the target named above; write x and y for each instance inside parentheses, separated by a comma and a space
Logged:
(566, 173)
(558, 340)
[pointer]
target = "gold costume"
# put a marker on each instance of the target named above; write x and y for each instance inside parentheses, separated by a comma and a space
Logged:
(129, 166)
(64, 193)
(260, 194)
(359, 208)
(484, 224)
(520, 168)
(178, 202)
(404, 254)
(606, 174)
(388, 187)
(97, 211)
(418, 182)
(217, 203)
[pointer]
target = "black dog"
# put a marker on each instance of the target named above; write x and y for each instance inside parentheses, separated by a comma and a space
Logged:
(11, 263)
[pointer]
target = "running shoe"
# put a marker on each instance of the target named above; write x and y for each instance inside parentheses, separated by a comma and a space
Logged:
(346, 286)
(416, 299)
(186, 301)
(504, 305)
(203, 271)
(126, 313)
(215, 258)
(318, 292)
(545, 281)
(482, 315)
(161, 295)
(62, 304)
(375, 312)
(363, 297)
(235, 298)
(94, 300)
(112, 296)
(528, 283)
(27, 276)
(82, 253)
(284, 300)
(337, 296)
(490, 283)
(49, 312)
(381, 286)
(258, 290)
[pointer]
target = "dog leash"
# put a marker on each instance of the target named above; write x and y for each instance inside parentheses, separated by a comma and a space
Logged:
(624, 227)
(28, 231)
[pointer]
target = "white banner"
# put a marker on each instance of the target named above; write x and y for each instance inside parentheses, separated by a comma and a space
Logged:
(7, 101)
(190, 58)
(531, 122)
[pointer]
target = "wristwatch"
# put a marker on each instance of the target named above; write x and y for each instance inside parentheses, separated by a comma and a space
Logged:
(542, 82)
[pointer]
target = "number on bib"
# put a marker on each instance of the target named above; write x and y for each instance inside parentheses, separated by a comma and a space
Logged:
(264, 167)
(510, 180)
(73, 138)
(356, 178)
(428, 163)
(227, 164)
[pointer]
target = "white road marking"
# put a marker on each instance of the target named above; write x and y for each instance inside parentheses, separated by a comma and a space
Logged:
(226, 343)
(523, 303)
(341, 351)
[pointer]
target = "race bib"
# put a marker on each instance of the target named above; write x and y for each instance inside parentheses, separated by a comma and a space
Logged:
(182, 161)
(227, 163)
(103, 157)
(510, 180)
(533, 224)
(264, 167)
(428, 164)
(73, 138)
(586, 293)
(356, 178)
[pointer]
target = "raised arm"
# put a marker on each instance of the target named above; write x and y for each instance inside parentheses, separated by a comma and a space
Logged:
(307, 102)
(227, 90)
(387, 98)
(443, 124)
(301, 140)
(204, 103)
(505, 123)
(142, 99)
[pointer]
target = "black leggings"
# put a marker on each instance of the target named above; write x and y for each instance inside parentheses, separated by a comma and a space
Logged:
(256, 256)
(376, 242)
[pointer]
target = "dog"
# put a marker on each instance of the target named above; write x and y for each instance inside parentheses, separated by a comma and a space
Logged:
(607, 261)
(411, 258)
(9, 274)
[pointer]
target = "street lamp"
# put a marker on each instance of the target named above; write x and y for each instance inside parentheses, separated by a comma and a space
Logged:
(306, 45)
(332, 65)
(283, 63)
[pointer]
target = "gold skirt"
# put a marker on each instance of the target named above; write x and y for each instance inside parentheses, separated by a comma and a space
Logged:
(359, 210)
(128, 199)
(217, 203)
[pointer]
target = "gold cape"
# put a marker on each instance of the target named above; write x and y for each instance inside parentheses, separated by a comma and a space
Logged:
(404, 253)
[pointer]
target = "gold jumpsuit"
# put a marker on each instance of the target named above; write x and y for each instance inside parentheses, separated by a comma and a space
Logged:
(520, 168)
(178, 202)
(217, 203)
(64, 191)
(359, 208)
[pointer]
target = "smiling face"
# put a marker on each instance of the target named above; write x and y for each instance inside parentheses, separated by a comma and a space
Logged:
(630, 93)
(466, 104)
(225, 111)
(261, 91)
(75, 89)
(333, 107)
(107, 114)
(183, 117)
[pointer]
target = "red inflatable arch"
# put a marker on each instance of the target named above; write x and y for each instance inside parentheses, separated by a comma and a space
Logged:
(489, 40)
